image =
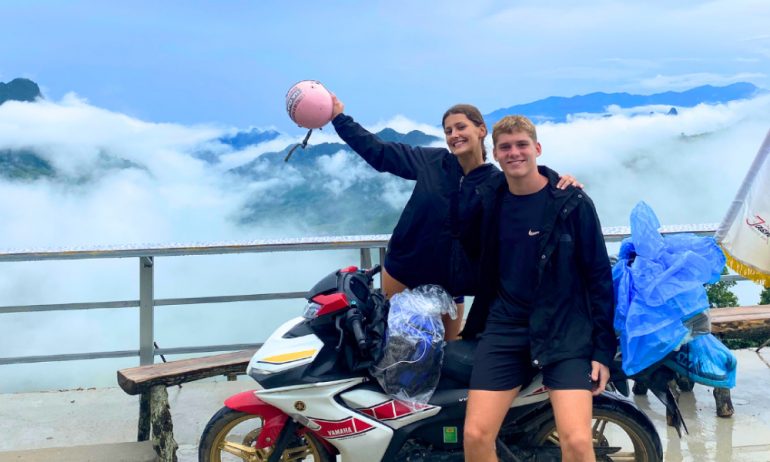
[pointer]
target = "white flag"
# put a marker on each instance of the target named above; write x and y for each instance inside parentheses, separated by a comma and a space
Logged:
(745, 232)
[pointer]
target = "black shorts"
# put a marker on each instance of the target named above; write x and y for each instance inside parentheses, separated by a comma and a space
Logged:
(503, 363)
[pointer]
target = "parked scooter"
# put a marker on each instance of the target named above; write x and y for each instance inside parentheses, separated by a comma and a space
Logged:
(315, 400)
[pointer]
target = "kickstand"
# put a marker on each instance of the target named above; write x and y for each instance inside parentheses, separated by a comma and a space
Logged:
(506, 455)
(767, 342)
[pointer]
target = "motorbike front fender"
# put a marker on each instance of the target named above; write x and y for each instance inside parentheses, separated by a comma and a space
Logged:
(273, 418)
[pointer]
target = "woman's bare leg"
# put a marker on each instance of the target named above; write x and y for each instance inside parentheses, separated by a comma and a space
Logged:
(452, 326)
(390, 285)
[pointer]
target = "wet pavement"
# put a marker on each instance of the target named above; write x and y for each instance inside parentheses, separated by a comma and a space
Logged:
(744, 437)
(108, 415)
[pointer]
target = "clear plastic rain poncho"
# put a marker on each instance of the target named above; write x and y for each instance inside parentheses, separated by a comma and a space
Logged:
(659, 295)
(414, 344)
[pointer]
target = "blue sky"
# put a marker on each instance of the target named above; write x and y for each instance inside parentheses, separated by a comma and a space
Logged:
(231, 62)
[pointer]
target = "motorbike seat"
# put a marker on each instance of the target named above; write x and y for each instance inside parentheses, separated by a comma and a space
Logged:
(448, 398)
(458, 364)
(458, 360)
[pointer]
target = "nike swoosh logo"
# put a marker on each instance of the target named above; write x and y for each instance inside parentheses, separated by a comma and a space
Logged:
(533, 233)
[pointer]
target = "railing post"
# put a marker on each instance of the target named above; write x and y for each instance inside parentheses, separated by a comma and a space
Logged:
(382, 262)
(146, 314)
(146, 338)
(366, 258)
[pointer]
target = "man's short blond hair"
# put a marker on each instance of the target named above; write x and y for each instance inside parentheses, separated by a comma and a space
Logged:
(513, 124)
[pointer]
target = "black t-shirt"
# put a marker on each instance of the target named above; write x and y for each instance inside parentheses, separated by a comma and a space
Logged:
(521, 219)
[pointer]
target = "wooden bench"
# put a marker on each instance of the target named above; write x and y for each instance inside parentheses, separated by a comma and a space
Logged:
(742, 322)
(151, 381)
(747, 322)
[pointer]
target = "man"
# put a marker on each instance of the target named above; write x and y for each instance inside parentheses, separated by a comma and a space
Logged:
(546, 300)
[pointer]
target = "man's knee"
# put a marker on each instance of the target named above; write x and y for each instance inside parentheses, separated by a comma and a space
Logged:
(579, 445)
(477, 435)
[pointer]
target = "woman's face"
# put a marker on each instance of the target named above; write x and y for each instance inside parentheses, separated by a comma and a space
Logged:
(463, 137)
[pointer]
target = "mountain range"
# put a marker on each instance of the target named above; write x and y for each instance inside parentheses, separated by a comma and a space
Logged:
(309, 190)
(559, 108)
(303, 192)
(19, 90)
(306, 193)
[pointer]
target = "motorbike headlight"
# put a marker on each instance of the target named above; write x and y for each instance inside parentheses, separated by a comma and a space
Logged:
(311, 310)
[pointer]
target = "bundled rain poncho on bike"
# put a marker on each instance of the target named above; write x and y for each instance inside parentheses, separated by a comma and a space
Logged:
(414, 343)
(659, 291)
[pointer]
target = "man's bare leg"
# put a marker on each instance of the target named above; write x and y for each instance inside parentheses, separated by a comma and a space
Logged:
(573, 409)
(485, 414)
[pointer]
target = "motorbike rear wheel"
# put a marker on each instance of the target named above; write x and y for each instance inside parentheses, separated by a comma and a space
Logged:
(231, 436)
(611, 429)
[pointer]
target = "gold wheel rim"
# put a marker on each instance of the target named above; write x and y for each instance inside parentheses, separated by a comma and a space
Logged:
(245, 450)
(598, 428)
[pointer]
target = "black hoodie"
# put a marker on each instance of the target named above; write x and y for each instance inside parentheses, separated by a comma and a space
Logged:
(424, 247)
(572, 315)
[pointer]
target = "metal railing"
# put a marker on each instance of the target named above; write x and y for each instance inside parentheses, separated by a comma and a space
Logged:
(146, 302)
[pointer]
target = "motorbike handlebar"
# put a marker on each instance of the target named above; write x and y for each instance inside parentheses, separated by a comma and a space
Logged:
(353, 322)
(371, 272)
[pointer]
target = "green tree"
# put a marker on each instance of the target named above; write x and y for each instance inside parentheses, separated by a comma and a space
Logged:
(719, 293)
(764, 297)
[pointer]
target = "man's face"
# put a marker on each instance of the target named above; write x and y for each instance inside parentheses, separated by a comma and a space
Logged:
(517, 154)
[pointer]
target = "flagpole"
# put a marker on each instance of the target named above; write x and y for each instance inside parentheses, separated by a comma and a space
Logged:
(744, 189)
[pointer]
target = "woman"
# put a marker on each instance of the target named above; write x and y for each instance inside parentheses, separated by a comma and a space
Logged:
(424, 247)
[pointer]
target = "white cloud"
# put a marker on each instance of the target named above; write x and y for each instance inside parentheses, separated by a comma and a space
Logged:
(397, 193)
(343, 172)
(688, 167)
(758, 38)
(167, 193)
(174, 199)
(686, 81)
(235, 159)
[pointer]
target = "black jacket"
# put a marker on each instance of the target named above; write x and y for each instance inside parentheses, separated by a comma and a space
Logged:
(572, 316)
(424, 247)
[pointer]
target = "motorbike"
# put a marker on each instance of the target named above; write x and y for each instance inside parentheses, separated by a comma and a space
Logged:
(314, 399)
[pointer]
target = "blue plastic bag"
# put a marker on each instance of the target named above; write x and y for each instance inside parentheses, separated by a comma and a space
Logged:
(705, 360)
(410, 367)
(658, 285)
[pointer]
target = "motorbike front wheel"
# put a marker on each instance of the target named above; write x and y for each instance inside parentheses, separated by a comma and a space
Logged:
(611, 429)
(231, 435)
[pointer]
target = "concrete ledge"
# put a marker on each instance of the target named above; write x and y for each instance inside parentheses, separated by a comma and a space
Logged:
(114, 452)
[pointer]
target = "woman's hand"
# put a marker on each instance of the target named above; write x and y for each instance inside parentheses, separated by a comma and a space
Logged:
(338, 108)
(567, 180)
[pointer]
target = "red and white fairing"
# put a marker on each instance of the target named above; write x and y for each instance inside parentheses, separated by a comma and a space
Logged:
(338, 425)
(392, 412)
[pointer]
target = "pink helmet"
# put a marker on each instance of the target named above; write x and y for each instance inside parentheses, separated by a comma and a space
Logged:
(309, 104)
